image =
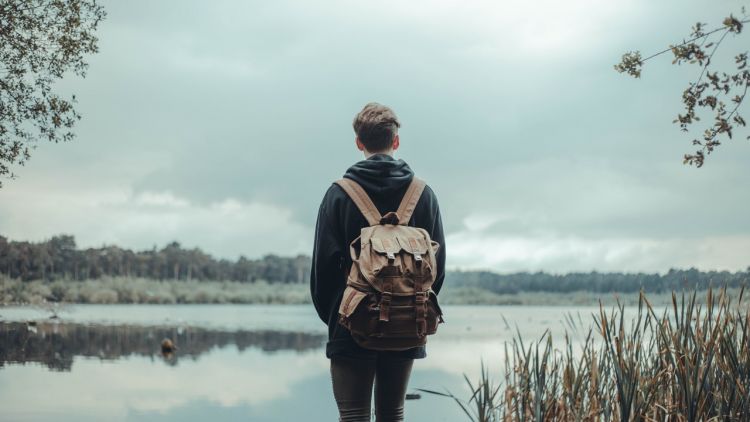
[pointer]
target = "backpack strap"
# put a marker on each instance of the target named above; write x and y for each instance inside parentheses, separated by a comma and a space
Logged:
(409, 203)
(361, 200)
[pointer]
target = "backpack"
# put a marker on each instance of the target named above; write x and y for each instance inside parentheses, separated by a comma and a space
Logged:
(388, 303)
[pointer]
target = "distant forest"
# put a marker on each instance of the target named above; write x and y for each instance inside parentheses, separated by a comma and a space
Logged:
(673, 280)
(59, 258)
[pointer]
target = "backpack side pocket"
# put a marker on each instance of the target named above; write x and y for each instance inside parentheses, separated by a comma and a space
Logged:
(434, 313)
(354, 311)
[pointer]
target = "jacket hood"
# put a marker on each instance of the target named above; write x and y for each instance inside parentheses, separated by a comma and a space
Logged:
(380, 174)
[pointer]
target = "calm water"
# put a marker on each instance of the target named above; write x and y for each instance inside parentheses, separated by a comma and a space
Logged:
(234, 363)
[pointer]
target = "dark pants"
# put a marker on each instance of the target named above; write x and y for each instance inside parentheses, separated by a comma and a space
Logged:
(353, 381)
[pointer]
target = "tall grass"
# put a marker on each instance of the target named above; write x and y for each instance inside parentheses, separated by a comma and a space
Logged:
(140, 290)
(690, 362)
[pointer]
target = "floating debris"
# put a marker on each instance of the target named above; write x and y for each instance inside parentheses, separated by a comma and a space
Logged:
(168, 346)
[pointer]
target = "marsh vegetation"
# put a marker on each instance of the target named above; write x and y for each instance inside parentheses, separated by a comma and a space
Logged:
(688, 362)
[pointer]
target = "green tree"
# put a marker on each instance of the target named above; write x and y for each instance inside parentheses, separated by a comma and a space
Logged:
(715, 92)
(40, 40)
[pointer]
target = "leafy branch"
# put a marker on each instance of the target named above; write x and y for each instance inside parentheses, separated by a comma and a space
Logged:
(710, 91)
(40, 41)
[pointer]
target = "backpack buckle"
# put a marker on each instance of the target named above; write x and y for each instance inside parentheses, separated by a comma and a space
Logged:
(420, 297)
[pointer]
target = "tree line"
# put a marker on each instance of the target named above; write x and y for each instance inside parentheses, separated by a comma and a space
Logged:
(673, 280)
(59, 258)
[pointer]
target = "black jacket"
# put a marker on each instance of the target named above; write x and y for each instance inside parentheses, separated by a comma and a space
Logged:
(339, 222)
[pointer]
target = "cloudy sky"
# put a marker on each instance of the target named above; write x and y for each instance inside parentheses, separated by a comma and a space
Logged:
(221, 124)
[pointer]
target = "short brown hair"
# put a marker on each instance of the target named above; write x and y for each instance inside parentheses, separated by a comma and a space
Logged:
(376, 127)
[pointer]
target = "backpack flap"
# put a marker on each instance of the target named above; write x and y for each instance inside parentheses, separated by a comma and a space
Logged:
(384, 262)
(413, 245)
(422, 256)
(387, 246)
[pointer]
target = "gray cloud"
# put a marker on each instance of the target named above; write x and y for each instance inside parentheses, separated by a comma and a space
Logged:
(510, 110)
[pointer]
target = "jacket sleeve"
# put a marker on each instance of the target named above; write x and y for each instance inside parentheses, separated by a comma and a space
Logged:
(325, 274)
(436, 233)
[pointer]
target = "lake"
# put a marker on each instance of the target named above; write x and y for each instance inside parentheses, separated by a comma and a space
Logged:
(233, 363)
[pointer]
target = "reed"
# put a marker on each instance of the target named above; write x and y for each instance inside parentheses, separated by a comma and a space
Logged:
(689, 362)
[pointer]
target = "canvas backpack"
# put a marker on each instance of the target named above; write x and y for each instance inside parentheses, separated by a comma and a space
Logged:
(388, 303)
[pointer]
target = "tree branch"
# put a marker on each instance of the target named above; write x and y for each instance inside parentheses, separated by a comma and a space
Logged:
(688, 41)
(708, 62)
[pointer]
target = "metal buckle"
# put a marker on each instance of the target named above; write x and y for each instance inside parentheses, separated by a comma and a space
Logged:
(421, 297)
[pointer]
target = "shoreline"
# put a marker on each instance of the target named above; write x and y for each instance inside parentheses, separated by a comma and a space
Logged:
(123, 291)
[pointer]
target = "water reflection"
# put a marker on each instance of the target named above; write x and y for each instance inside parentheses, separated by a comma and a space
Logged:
(55, 345)
(233, 363)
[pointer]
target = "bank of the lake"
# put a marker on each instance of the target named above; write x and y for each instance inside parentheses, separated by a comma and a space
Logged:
(123, 290)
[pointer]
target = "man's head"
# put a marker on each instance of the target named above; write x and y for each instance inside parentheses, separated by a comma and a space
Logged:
(376, 127)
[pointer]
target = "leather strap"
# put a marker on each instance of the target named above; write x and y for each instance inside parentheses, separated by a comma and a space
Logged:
(361, 200)
(409, 202)
(420, 303)
(385, 300)
(370, 211)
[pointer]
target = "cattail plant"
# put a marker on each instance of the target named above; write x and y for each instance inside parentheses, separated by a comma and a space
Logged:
(690, 362)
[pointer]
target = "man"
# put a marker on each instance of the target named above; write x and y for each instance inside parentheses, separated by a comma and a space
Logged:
(385, 179)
